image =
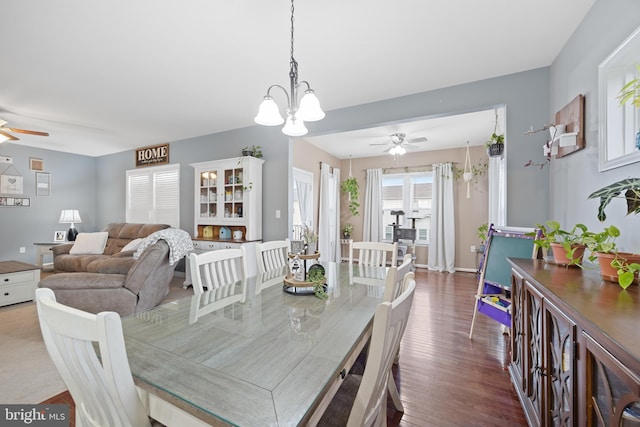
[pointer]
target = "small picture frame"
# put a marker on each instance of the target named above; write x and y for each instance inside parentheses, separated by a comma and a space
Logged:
(36, 164)
(43, 184)
(59, 236)
(26, 201)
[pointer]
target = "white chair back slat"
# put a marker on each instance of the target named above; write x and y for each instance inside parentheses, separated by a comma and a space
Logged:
(215, 269)
(374, 253)
(272, 255)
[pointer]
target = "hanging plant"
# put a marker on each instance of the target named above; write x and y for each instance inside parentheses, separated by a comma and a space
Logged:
(350, 186)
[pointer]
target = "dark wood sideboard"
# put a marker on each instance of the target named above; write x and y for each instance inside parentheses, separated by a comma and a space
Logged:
(575, 357)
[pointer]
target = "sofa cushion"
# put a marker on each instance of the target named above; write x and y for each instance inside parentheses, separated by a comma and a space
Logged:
(75, 263)
(132, 245)
(89, 243)
(120, 234)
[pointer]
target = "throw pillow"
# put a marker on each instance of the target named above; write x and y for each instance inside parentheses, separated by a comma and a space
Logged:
(132, 245)
(89, 243)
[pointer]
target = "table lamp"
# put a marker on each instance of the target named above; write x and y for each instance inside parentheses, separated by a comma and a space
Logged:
(70, 216)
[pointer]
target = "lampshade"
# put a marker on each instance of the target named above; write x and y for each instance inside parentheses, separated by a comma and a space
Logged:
(398, 150)
(309, 109)
(268, 113)
(70, 216)
(294, 127)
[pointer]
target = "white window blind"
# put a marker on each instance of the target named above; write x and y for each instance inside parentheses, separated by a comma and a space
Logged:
(153, 195)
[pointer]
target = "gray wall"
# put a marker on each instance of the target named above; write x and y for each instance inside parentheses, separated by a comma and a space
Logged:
(72, 187)
(575, 70)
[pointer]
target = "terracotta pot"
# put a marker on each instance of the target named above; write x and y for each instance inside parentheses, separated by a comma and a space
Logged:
(560, 254)
(610, 274)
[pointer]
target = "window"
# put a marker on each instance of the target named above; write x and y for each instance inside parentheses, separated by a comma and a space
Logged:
(153, 195)
(410, 193)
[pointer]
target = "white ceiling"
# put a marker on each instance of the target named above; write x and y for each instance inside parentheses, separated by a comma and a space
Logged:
(104, 77)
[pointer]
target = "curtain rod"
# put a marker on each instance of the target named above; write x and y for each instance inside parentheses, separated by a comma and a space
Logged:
(411, 168)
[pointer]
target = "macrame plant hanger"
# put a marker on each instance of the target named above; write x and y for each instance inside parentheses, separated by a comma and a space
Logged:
(467, 174)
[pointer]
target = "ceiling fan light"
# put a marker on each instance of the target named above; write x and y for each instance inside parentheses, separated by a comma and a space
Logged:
(3, 138)
(294, 127)
(268, 113)
(309, 109)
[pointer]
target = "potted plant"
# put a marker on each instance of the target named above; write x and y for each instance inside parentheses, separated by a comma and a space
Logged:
(567, 246)
(615, 266)
(351, 187)
(495, 145)
(316, 276)
(347, 230)
(482, 232)
(254, 151)
(311, 239)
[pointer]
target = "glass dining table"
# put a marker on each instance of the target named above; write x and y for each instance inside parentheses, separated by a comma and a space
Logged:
(250, 354)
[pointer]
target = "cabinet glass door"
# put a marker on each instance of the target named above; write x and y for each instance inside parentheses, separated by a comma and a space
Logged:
(234, 187)
(209, 194)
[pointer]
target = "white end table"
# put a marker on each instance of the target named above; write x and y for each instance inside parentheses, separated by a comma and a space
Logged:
(43, 249)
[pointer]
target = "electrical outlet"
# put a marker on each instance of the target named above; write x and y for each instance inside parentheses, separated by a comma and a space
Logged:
(23, 249)
(277, 213)
(473, 249)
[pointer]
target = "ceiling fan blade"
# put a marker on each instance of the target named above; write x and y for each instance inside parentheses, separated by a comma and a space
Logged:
(381, 143)
(416, 140)
(30, 132)
(11, 137)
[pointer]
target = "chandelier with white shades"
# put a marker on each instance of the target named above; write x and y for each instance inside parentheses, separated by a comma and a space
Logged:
(306, 110)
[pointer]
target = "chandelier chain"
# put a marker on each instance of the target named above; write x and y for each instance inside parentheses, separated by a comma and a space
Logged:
(293, 64)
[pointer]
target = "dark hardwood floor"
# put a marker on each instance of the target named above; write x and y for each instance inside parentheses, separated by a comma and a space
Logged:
(444, 378)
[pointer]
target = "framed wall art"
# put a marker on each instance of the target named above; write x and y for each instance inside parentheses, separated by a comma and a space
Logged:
(36, 164)
(43, 184)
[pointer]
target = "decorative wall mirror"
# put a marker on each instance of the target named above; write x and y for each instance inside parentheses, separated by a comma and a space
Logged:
(619, 128)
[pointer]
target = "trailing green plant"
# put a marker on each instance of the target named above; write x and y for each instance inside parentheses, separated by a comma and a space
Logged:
(351, 187)
(631, 91)
(479, 169)
(627, 271)
(317, 278)
(482, 232)
(631, 189)
(603, 242)
(495, 139)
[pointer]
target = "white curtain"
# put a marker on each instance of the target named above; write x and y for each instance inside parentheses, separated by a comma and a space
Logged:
(304, 197)
(329, 217)
(497, 214)
(372, 231)
(442, 244)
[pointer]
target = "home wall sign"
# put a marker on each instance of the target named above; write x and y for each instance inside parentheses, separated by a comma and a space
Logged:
(10, 177)
(153, 155)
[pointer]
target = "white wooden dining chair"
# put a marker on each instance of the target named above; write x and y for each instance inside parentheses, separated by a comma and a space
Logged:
(374, 253)
(215, 269)
(272, 255)
(217, 298)
(102, 389)
(370, 405)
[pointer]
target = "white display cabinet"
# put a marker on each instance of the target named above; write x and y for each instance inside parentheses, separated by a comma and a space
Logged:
(228, 193)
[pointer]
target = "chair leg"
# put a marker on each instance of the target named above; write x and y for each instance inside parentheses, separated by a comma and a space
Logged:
(393, 391)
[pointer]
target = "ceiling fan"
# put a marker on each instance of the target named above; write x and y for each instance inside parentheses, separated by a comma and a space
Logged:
(399, 143)
(5, 135)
